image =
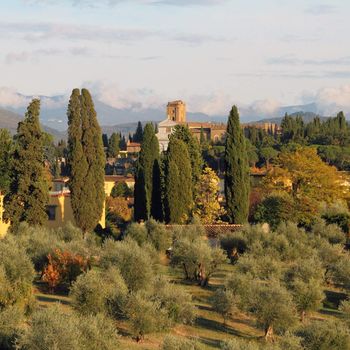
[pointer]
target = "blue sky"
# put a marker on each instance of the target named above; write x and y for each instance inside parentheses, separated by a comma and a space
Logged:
(259, 54)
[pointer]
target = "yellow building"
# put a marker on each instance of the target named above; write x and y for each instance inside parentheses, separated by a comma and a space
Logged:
(3, 225)
(59, 209)
(176, 111)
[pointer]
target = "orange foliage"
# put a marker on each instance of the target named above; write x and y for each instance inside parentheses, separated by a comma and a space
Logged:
(63, 268)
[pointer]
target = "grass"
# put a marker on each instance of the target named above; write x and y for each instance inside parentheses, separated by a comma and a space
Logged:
(208, 328)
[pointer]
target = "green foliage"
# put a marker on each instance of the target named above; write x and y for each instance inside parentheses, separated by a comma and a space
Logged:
(237, 182)
(138, 135)
(325, 335)
(147, 175)
(53, 328)
(178, 184)
(16, 276)
(10, 326)
(113, 146)
(5, 160)
(182, 133)
(134, 262)
(158, 235)
(171, 342)
(86, 161)
(100, 293)
(175, 301)
(197, 258)
(28, 194)
(121, 189)
(223, 302)
(146, 316)
(274, 209)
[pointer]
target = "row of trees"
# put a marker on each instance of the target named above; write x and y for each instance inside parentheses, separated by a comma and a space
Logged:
(26, 178)
(168, 186)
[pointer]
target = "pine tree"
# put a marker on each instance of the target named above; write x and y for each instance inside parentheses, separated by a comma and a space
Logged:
(178, 183)
(237, 181)
(113, 145)
(86, 161)
(148, 174)
(28, 195)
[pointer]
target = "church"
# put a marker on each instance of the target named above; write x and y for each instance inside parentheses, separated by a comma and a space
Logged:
(214, 132)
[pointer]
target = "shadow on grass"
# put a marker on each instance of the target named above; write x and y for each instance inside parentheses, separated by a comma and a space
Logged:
(217, 326)
(51, 299)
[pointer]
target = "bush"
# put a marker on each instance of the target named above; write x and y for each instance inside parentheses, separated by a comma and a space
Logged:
(171, 342)
(134, 262)
(176, 301)
(99, 292)
(331, 232)
(158, 235)
(16, 276)
(325, 335)
(223, 302)
(10, 320)
(145, 316)
(52, 328)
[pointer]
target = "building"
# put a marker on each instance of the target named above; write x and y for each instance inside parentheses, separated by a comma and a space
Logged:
(3, 225)
(176, 111)
(112, 180)
(133, 147)
(215, 132)
(59, 209)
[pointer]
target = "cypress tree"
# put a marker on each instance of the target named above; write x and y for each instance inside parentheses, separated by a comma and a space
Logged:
(237, 181)
(178, 183)
(183, 133)
(113, 145)
(137, 137)
(28, 195)
(86, 161)
(148, 173)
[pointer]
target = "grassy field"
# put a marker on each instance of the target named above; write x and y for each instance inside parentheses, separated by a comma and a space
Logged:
(208, 328)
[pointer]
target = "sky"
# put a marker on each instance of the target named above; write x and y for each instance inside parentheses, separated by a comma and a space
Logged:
(260, 54)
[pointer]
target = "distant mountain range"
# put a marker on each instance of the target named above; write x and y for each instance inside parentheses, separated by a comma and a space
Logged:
(307, 117)
(54, 118)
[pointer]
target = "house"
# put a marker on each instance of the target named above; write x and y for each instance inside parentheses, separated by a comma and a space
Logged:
(133, 147)
(112, 180)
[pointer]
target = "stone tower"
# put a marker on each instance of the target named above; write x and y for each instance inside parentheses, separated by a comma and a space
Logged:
(176, 111)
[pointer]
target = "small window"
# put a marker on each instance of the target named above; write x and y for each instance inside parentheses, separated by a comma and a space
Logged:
(51, 212)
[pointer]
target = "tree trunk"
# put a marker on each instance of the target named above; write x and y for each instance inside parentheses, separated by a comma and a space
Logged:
(302, 316)
(268, 332)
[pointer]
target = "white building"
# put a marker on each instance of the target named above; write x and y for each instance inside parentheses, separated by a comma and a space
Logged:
(165, 128)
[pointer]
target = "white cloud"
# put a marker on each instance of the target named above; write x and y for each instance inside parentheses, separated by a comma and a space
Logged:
(330, 100)
(135, 99)
(9, 97)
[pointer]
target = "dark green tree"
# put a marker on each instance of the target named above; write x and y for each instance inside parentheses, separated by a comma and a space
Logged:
(183, 133)
(113, 145)
(178, 184)
(5, 159)
(28, 194)
(237, 181)
(137, 137)
(147, 174)
(86, 161)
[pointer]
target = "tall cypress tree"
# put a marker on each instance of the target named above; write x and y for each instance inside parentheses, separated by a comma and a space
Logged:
(178, 183)
(28, 195)
(148, 173)
(237, 181)
(86, 161)
(113, 145)
(137, 137)
(183, 133)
